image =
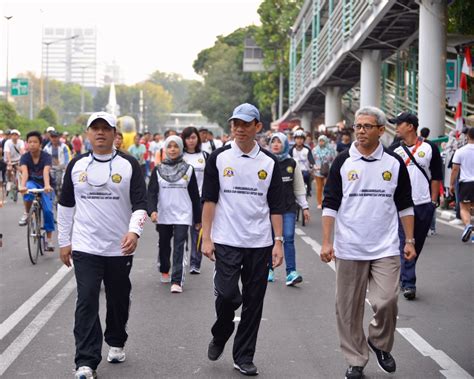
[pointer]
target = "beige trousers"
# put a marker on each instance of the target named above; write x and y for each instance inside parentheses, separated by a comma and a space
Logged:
(353, 278)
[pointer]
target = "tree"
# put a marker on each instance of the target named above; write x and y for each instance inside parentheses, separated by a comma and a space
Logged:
(8, 116)
(277, 17)
(176, 86)
(48, 115)
(460, 17)
(157, 102)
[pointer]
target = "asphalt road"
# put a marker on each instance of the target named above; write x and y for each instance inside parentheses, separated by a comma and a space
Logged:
(169, 334)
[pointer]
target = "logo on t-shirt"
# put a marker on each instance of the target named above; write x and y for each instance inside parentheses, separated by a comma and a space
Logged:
(228, 172)
(289, 170)
(352, 175)
(421, 154)
(387, 176)
(200, 160)
(116, 178)
(262, 174)
(185, 177)
(82, 177)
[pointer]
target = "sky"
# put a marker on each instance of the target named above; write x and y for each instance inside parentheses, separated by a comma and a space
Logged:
(141, 36)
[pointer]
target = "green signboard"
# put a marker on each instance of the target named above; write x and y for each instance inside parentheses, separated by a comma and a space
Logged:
(19, 87)
(451, 74)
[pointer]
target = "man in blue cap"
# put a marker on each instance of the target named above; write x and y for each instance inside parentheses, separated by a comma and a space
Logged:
(243, 198)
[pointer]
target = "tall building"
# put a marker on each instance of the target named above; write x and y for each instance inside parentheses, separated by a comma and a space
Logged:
(113, 74)
(70, 55)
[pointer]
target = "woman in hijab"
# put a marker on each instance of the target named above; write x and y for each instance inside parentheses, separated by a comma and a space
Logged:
(323, 155)
(173, 204)
(294, 193)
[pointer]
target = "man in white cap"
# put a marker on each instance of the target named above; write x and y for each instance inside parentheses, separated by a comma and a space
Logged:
(101, 214)
(14, 149)
(243, 200)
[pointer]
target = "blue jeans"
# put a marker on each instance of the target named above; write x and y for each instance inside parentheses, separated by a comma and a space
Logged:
(289, 222)
(46, 203)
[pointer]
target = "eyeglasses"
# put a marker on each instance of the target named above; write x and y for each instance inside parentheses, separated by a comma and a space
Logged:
(110, 171)
(366, 127)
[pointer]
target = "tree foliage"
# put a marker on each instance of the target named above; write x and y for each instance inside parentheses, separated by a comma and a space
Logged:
(48, 115)
(461, 17)
(177, 86)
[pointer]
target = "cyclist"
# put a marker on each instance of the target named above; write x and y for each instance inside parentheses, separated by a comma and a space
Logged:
(14, 148)
(35, 173)
(60, 157)
(302, 154)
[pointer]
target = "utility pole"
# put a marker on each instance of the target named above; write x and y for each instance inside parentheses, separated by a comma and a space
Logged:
(7, 89)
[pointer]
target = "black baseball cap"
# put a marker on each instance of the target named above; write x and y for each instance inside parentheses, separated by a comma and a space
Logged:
(407, 117)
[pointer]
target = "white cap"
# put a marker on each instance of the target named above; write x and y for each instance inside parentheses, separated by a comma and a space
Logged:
(50, 129)
(107, 117)
(1, 131)
(15, 131)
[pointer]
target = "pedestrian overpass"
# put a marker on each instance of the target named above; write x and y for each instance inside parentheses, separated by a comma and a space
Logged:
(350, 53)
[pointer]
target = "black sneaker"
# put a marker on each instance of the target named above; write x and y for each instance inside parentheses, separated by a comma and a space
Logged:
(384, 359)
(214, 351)
(354, 372)
(248, 369)
(466, 234)
(409, 293)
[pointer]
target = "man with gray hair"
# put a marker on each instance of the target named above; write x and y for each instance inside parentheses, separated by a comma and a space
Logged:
(367, 191)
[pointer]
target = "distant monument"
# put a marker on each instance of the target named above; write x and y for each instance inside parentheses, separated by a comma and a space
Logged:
(112, 107)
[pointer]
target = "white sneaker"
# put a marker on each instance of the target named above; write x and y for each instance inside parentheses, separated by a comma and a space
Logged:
(85, 372)
(176, 288)
(456, 221)
(23, 220)
(116, 355)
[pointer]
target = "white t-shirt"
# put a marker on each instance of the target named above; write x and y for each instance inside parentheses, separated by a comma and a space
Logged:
(198, 161)
(14, 150)
(465, 157)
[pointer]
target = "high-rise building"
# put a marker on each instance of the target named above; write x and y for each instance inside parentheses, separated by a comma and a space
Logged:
(70, 55)
(113, 74)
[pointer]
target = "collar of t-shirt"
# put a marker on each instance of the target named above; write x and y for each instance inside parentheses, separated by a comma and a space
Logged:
(103, 157)
(355, 154)
(239, 153)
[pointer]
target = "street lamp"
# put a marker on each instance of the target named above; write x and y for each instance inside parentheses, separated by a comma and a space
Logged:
(47, 60)
(8, 18)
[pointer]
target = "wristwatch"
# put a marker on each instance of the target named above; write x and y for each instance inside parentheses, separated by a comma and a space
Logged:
(279, 238)
(410, 241)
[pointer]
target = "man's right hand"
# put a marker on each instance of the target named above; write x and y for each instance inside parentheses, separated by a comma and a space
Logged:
(208, 248)
(327, 252)
(65, 255)
(154, 217)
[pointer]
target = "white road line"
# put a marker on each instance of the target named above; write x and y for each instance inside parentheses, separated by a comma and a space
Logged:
(18, 345)
(7, 325)
(447, 223)
(450, 368)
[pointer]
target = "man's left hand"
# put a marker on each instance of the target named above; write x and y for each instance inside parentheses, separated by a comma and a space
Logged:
(277, 254)
(129, 243)
(48, 189)
(409, 252)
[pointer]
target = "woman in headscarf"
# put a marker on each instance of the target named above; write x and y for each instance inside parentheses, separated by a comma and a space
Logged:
(324, 155)
(294, 193)
(173, 204)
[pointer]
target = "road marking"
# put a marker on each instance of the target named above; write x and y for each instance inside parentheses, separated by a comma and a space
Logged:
(18, 345)
(451, 225)
(7, 325)
(450, 368)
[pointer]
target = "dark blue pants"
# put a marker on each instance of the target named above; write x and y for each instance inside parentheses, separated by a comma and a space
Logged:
(423, 218)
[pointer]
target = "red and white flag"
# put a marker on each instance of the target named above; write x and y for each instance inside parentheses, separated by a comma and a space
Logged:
(467, 63)
(458, 117)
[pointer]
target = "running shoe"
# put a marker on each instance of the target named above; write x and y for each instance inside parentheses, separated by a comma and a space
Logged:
(466, 234)
(176, 288)
(248, 369)
(384, 359)
(85, 372)
(116, 355)
(409, 293)
(293, 278)
(214, 351)
(431, 233)
(456, 221)
(165, 277)
(354, 372)
(23, 220)
(48, 246)
(194, 271)
(271, 276)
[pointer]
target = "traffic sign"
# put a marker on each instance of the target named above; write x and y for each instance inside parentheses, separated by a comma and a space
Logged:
(19, 87)
(451, 74)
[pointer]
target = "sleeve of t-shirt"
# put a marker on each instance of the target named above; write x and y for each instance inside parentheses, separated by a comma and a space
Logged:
(137, 187)
(333, 188)
(457, 156)
(402, 196)
(153, 190)
(310, 157)
(24, 160)
(211, 186)
(436, 164)
(67, 198)
(275, 197)
(47, 159)
(193, 191)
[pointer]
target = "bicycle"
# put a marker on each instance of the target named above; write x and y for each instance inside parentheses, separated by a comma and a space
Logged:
(12, 186)
(57, 174)
(35, 233)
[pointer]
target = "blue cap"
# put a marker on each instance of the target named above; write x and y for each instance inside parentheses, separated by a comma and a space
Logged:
(246, 112)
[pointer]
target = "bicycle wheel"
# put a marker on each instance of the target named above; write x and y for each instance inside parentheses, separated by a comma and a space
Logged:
(34, 240)
(41, 232)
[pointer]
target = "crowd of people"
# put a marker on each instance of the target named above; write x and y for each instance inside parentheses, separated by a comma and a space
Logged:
(235, 198)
